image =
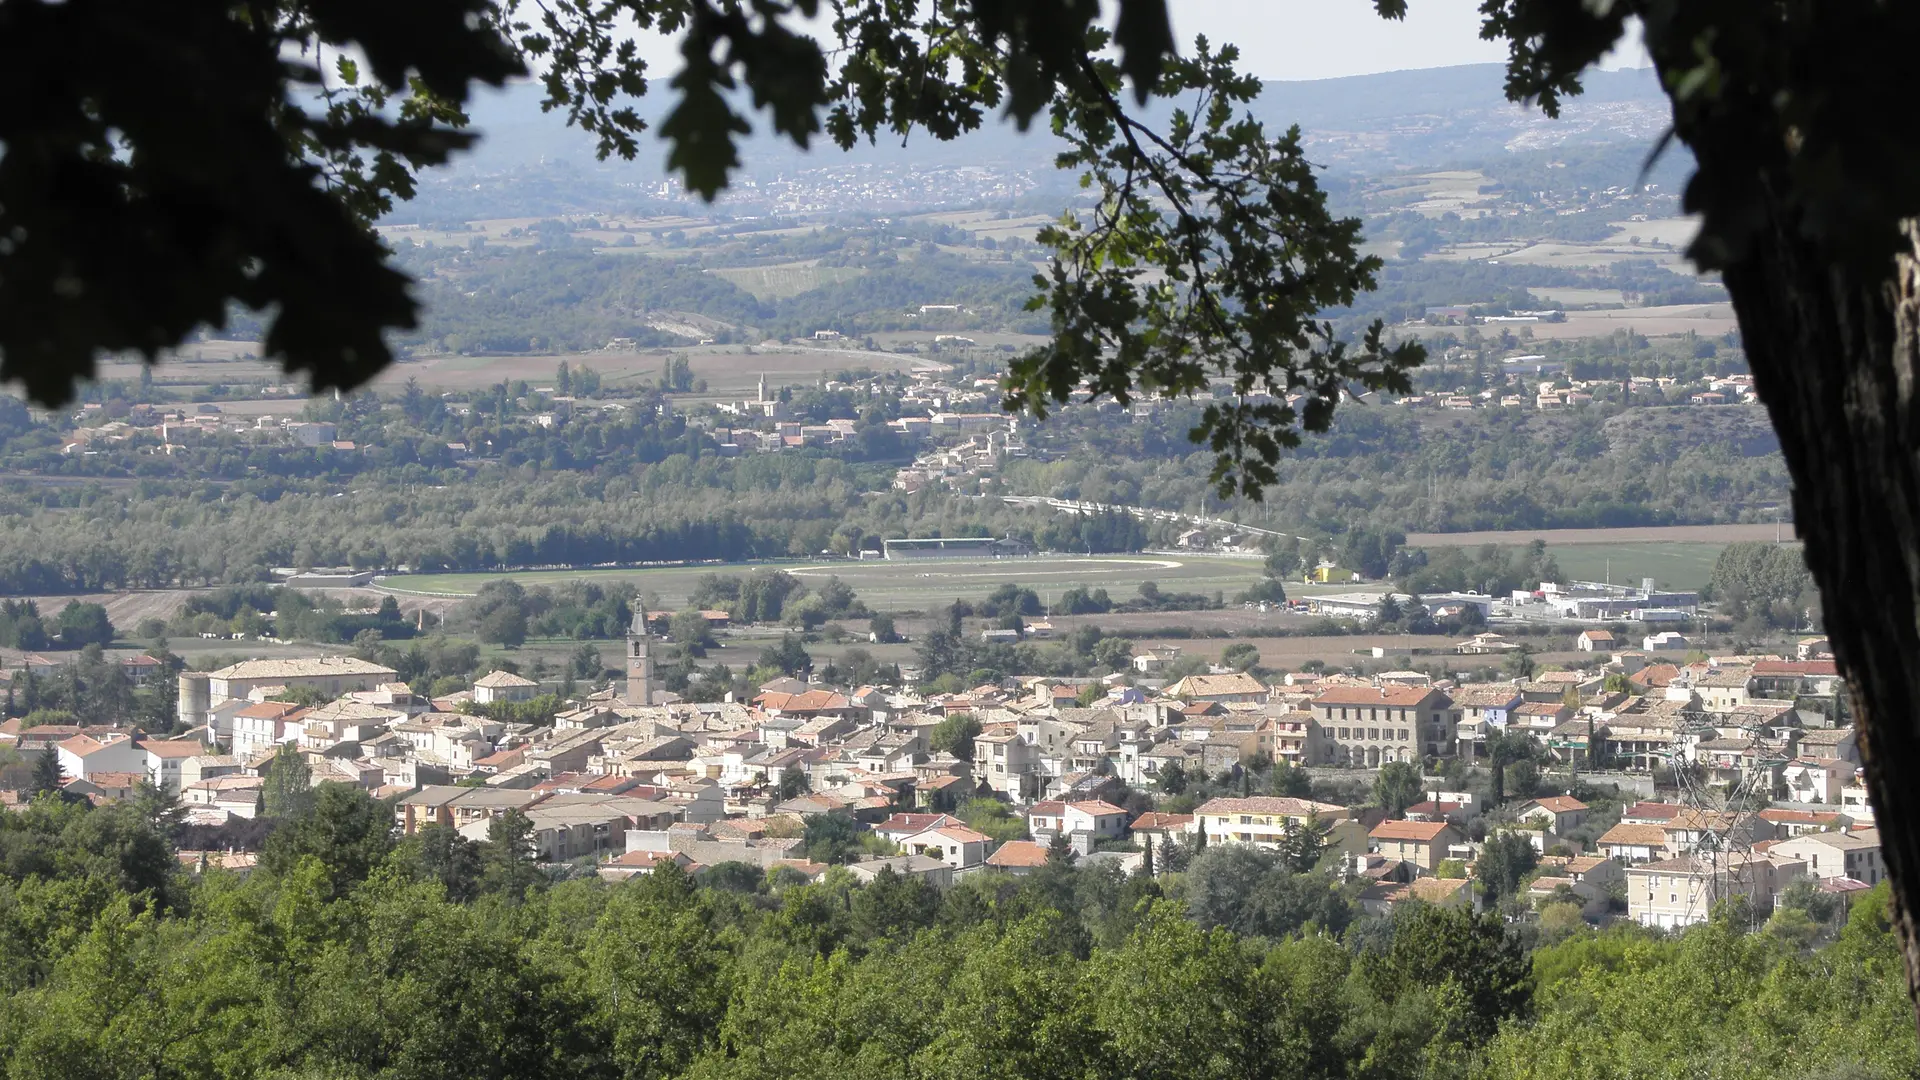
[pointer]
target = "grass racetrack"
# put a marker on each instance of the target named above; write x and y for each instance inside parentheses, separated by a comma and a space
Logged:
(908, 584)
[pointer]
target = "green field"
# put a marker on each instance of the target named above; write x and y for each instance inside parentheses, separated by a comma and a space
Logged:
(922, 584)
(917, 584)
(785, 279)
(1673, 565)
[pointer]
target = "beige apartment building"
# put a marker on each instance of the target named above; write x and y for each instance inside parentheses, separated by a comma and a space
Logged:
(203, 691)
(1671, 893)
(1368, 726)
(1265, 820)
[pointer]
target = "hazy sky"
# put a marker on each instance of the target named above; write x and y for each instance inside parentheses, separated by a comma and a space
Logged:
(1310, 39)
(1322, 39)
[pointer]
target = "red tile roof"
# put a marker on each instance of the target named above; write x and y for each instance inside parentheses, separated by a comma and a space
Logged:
(171, 748)
(961, 834)
(1656, 675)
(1636, 835)
(811, 701)
(1424, 831)
(1019, 853)
(1652, 811)
(1400, 696)
(1805, 668)
(1268, 804)
(913, 823)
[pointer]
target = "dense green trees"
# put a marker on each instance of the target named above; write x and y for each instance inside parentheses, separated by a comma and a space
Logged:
(1768, 583)
(1258, 893)
(1718, 1000)
(1396, 787)
(954, 735)
(350, 954)
(1395, 469)
(641, 487)
(77, 626)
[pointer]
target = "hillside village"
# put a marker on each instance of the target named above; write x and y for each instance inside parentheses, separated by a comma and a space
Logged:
(1642, 789)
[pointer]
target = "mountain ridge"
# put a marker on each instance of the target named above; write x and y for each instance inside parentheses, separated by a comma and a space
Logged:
(1413, 117)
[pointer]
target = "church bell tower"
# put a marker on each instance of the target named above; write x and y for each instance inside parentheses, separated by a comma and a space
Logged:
(639, 658)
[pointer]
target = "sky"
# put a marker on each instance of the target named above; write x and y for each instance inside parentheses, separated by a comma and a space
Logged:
(1324, 39)
(1309, 39)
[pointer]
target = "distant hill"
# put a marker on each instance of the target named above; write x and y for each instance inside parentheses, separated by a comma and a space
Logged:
(1394, 95)
(1432, 116)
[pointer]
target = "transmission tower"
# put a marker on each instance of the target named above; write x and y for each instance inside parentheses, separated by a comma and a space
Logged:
(1721, 818)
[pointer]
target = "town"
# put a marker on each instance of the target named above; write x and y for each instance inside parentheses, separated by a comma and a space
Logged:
(1633, 788)
(1140, 539)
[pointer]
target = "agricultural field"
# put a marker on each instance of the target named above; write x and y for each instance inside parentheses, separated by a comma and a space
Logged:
(1677, 556)
(734, 370)
(782, 280)
(914, 585)
(1576, 298)
(1674, 566)
(1705, 320)
(1676, 232)
(985, 223)
(1434, 194)
(729, 370)
(1661, 240)
(1650, 534)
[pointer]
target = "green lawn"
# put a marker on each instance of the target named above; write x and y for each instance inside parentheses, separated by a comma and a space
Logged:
(1674, 566)
(905, 585)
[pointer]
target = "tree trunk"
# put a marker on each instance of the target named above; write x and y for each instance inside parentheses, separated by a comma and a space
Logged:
(1834, 354)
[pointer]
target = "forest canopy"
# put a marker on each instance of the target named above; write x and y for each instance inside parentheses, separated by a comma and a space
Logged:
(355, 952)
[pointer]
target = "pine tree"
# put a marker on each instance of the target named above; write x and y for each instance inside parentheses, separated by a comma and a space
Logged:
(47, 774)
(288, 791)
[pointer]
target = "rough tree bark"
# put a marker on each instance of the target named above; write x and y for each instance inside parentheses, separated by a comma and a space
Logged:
(1834, 354)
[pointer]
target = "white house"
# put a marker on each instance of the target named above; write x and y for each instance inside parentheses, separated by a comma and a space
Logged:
(1816, 780)
(898, 827)
(1665, 641)
(1834, 855)
(1559, 814)
(263, 726)
(1153, 661)
(503, 686)
(1053, 817)
(166, 757)
(1595, 641)
(1018, 857)
(959, 847)
(86, 755)
(1632, 842)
